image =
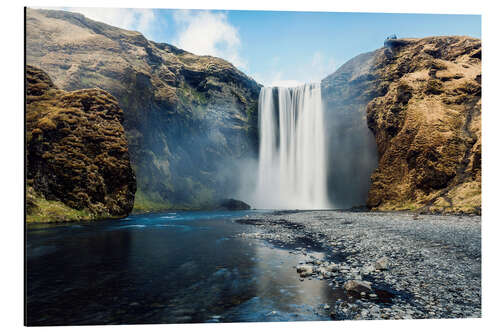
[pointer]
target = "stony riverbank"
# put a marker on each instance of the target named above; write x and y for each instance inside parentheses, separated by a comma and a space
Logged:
(384, 265)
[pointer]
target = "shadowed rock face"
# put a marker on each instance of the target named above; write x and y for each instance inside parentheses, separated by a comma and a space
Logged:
(233, 204)
(352, 149)
(188, 119)
(77, 152)
(422, 99)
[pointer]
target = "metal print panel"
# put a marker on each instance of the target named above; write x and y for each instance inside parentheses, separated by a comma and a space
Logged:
(205, 166)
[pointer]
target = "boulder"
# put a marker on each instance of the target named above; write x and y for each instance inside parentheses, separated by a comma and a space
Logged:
(233, 204)
(305, 270)
(358, 286)
(332, 267)
(77, 153)
(323, 272)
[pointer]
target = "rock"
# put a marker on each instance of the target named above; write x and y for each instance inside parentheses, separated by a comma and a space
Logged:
(305, 270)
(233, 204)
(323, 272)
(382, 264)
(333, 267)
(78, 164)
(357, 286)
(367, 269)
(443, 159)
(423, 163)
(188, 118)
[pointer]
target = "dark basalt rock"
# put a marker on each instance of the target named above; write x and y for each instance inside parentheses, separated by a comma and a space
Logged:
(233, 204)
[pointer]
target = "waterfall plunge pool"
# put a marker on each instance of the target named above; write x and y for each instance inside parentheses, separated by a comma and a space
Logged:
(165, 268)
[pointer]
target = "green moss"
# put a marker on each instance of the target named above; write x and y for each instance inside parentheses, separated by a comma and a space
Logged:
(144, 203)
(409, 207)
(91, 80)
(201, 199)
(193, 100)
(404, 206)
(43, 211)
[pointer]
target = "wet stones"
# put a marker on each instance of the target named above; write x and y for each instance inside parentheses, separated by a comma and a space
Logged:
(305, 270)
(382, 264)
(426, 260)
(357, 286)
(332, 267)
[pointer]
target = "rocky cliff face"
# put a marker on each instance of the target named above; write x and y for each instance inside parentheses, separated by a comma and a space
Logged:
(78, 163)
(422, 99)
(352, 148)
(189, 119)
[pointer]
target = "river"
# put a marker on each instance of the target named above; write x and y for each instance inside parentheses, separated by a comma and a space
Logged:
(174, 267)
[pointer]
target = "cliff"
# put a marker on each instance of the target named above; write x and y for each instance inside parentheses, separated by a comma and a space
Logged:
(422, 99)
(77, 158)
(403, 122)
(188, 119)
(353, 151)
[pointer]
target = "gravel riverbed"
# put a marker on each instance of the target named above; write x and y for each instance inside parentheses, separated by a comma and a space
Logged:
(384, 265)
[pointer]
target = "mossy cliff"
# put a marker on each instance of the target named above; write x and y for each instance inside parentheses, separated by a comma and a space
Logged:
(78, 165)
(189, 119)
(422, 99)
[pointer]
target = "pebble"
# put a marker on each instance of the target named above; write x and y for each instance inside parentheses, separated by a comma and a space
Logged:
(382, 264)
(434, 266)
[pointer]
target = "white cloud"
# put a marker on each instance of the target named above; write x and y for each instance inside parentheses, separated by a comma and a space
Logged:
(275, 79)
(315, 70)
(208, 33)
(141, 20)
(321, 66)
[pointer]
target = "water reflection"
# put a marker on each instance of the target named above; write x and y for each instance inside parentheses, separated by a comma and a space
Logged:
(280, 295)
(164, 268)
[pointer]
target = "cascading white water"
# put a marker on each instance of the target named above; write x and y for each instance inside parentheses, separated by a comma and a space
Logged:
(292, 161)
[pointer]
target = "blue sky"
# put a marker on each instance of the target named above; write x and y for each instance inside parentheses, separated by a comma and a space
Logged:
(282, 48)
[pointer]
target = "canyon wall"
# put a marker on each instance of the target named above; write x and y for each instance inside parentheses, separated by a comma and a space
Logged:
(421, 99)
(189, 119)
(77, 158)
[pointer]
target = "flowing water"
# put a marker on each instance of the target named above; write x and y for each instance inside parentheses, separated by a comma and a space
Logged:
(165, 268)
(292, 154)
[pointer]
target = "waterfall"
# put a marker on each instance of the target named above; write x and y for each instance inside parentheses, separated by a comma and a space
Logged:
(292, 153)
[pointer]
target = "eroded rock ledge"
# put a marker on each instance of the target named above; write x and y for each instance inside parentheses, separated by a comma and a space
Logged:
(422, 99)
(78, 165)
(428, 126)
(188, 119)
